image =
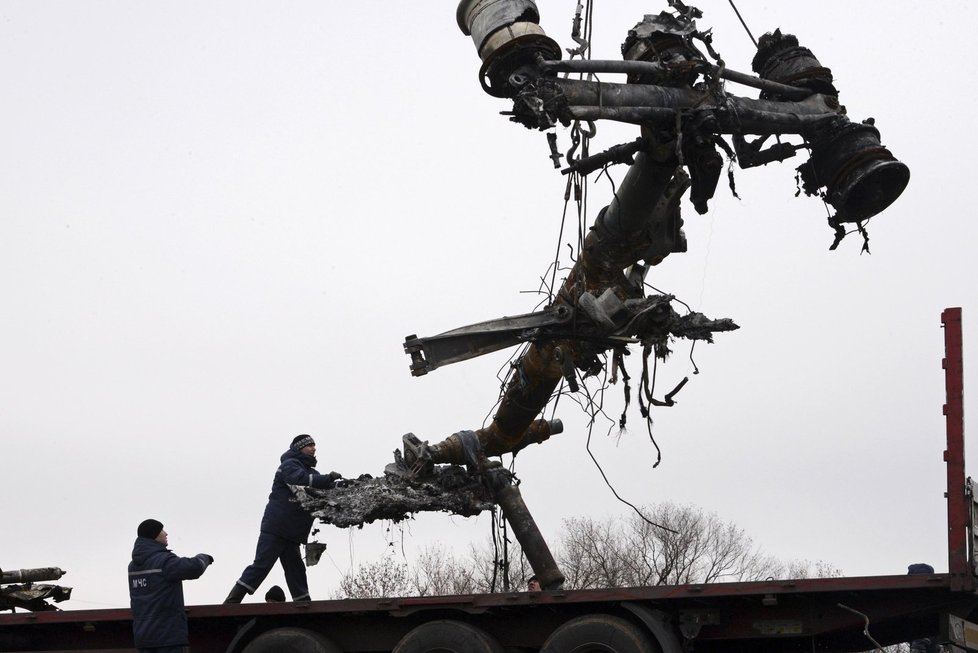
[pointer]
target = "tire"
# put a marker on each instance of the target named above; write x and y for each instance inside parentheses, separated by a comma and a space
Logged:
(599, 633)
(291, 640)
(447, 636)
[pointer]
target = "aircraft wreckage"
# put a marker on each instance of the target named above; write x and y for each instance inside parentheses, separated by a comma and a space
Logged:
(21, 588)
(676, 95)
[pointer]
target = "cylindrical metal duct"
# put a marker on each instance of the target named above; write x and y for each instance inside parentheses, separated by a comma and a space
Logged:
(39, 574)
(860, 176)
(781, 59)
(528, 535)
(507, 35)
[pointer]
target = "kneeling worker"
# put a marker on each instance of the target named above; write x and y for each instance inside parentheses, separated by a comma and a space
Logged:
(285, 524)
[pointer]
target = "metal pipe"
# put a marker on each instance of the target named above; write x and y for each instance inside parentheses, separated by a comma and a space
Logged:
(492, 442)
(528, 535)
(745, 121)
(740, 115)
(527, 392)
(610, 247)
(653, 67)
(35, 575)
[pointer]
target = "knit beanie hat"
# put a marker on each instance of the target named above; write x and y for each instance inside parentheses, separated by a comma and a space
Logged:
(299, 442)
(149, 528)
(276, 593)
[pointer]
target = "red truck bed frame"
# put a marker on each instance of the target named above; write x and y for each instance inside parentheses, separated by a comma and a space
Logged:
(805, 615)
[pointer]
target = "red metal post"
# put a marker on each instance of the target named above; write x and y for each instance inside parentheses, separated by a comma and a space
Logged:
(958, 504)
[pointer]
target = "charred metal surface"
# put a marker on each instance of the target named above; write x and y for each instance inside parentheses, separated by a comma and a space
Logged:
(674, 92)
(608, 309)
(395, 496)
(477, 339)
(605, 319)
(507, 36)
(859, 175)
(411, 484)
(457, 449)
(28, 595)
(30, 575)
(673, 85)
(780, 59)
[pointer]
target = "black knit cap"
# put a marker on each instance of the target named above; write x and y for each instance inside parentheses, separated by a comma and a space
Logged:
(276, 594)
(149, 528)
(301, 441)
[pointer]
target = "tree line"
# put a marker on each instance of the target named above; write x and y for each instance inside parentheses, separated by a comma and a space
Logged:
(694, 546)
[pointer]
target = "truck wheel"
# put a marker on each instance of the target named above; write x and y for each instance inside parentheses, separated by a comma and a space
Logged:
(447, 636)
(599, 633)
(291, 640)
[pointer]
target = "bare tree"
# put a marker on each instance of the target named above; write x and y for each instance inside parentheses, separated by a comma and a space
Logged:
(669, 545)
(383, 578)
(694, 547)
(438, 572)
(496, 571)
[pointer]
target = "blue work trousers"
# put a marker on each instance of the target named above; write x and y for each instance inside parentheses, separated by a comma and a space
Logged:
(271, 548)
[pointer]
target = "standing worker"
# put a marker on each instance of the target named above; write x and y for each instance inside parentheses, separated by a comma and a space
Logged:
(285, 524)
(156, 575)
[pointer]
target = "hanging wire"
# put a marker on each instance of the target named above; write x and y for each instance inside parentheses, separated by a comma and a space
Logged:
(560, 237)
(495, 553)
(628, 503)
(505, 539)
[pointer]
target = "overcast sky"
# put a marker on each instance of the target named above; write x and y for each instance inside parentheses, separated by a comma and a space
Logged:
(219, 220)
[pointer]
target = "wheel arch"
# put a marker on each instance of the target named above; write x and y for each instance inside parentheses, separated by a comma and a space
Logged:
(658, 625)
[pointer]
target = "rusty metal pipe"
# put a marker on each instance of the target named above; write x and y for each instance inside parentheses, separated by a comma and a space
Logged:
(528, 391)
(612, 245)
(528, 535)
(539, 431)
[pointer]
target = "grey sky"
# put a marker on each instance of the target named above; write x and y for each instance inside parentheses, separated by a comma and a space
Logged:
(218, 222)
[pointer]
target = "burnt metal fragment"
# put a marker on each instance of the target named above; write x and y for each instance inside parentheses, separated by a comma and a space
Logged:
(27, 594)
(395, 497)
(859, 175)
(507, 36)
(460, 344)
(408, 488)
(673, 87)
(781, 59)
(674, 93)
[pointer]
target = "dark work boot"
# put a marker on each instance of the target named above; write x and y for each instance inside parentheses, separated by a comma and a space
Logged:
(237, 593)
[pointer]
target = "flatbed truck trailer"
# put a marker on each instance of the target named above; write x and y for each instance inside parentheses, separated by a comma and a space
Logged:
(771, 616)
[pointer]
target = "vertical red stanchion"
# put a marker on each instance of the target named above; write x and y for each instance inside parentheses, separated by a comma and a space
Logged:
(958, 504)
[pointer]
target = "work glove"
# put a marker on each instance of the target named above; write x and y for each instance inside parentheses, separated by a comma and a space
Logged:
(209, 558)
(334, 476)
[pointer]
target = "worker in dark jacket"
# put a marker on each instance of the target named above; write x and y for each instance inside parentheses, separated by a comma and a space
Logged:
(156, 575)
(285, 524)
